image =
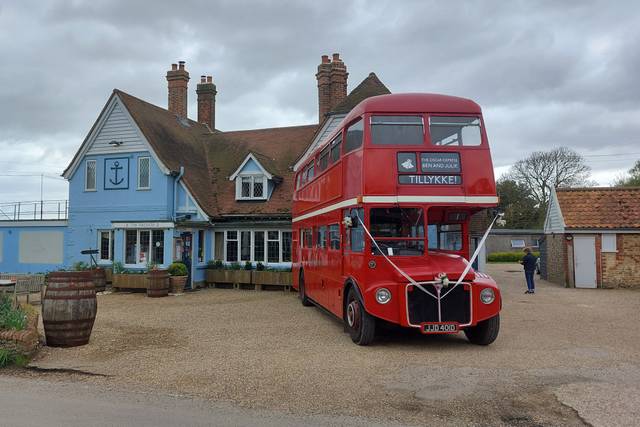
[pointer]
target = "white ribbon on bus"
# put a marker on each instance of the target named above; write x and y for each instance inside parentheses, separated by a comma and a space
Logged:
(498, 217)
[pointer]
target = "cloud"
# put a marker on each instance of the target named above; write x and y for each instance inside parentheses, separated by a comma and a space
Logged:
(546, 73)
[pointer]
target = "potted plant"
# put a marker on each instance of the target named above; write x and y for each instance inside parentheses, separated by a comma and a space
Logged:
(178, 272)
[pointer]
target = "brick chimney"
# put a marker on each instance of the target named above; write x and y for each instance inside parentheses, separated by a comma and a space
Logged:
(178, 79)
(207, 101)
(324, 87)
(338, 80)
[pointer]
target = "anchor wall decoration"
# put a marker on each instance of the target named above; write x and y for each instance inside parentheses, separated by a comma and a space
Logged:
(116, 173)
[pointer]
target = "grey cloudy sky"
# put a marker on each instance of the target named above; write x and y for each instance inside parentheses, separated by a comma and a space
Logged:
(546, 73)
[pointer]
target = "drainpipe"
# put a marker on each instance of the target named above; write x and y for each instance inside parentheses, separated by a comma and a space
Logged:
(175, 193)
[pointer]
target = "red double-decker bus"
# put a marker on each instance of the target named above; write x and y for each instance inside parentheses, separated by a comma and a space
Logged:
(381, 217)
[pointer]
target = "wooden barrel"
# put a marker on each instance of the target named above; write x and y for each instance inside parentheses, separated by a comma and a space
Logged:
(158, 285)
(69, 308)
(99, 279)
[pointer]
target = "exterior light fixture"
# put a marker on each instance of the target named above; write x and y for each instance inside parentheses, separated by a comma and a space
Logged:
(383, 295)
(487, 296)
(116, 143)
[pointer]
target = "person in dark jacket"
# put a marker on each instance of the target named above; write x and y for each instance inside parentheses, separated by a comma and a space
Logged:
(529, 262)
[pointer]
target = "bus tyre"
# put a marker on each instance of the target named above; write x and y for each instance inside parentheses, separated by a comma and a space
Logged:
(485, 332)
(301, 293)
(360, 324)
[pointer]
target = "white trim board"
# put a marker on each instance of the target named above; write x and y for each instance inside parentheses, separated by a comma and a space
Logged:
(34, 223)
(399, 199)
(250, 156)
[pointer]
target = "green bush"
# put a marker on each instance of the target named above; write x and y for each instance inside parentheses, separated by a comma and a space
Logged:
(260, 266)
(80, 266)
(10, 317)
(178, 269)
(234, 266)
(118, 267)
(215, 264)
(248, 266)
(508, 256)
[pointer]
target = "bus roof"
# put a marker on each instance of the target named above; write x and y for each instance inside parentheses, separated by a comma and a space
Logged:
(415, 103)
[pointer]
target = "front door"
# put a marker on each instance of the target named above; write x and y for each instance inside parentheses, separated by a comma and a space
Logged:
(187, 239)
(584, 257)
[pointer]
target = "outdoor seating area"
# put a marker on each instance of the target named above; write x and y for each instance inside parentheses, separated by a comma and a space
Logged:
(23, 286)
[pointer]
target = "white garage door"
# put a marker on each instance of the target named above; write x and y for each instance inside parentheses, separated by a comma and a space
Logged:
(584, 256)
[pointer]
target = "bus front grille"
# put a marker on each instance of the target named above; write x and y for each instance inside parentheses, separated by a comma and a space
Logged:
(455, 307)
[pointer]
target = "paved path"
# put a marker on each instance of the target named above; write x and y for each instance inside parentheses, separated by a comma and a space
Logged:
(34, 402)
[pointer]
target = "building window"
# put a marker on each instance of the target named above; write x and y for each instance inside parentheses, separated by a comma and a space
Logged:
(609, 243)
(90, 176)
(334, 236)
(232, 246)
(201, 246)
(258, 246)
(144, 173)
(273, 246)
(286, 246)
(106, 246)
(144, 247)
(245, 246)
(251, 187)
(517, 243)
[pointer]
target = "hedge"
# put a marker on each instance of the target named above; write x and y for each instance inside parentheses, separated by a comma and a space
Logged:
(508, 256)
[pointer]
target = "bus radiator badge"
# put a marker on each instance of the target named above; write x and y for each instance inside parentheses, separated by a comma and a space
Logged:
(444, 280)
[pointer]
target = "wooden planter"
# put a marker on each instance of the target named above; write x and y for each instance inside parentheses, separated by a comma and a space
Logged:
(282, 278)
(234, 277)
(130, 281)
(177, 284)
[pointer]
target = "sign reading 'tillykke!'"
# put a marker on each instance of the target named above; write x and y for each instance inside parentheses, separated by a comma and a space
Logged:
(430, 179)
(440, 162)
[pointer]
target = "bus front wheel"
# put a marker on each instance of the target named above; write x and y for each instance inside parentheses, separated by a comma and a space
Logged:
(485, 332)
(360, 324)
(301, 293)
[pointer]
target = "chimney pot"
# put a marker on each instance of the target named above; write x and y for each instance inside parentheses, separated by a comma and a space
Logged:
(209, 79)
(174, 67)
(336, 57)
(325, 59)
(203, 79)
(181, 65)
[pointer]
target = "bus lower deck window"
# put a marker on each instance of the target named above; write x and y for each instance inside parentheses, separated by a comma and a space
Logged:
(455, 130)
(398, 231)
(446, 237)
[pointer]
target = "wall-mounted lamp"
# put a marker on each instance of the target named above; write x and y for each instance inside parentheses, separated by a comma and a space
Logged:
(569, 238)
(115, 143)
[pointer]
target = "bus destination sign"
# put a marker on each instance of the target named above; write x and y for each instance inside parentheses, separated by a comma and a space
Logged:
(430, 179)
(440, 162)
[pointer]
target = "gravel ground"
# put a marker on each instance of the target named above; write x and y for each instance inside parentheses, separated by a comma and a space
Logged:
(558, 351)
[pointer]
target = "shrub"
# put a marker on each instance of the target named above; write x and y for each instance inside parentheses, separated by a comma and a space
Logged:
(508, 256)
(6, 357)
(234, 266)
(80, 266)
(118, 267)
(10, 317)
(248, 265)
(260, 266)
(178, 269)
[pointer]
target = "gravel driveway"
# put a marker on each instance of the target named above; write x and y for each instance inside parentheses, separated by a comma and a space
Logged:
(564, 356)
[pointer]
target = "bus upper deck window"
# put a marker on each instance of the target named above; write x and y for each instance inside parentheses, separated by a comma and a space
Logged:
(455, 130)
(354, 136)
(335, 148)
(323, 159)
(397, 130)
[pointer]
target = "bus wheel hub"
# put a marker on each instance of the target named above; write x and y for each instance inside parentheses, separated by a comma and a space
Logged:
(353, 314)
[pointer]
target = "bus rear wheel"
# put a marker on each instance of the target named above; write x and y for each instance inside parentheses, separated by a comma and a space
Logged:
(301, 293)
(485, 332)
(360, 324)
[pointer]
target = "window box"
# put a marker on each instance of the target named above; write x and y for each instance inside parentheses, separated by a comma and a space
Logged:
(283, 278)
(130, 281)
(228, 276)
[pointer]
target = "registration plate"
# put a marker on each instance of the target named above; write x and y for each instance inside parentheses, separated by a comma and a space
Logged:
(439, 328)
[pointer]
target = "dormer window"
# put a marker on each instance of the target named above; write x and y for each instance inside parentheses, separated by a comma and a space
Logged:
(252, 187)
(253, 181)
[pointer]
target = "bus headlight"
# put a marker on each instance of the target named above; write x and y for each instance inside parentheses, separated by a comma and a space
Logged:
(383, 295)
(487, 296)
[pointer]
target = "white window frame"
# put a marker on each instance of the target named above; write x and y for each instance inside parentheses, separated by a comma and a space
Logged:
(137, 252)
(514, 246)
(254, 179)
(100, 259)
(252, 245)
(148, 171)
(608, 242)
(95, 175)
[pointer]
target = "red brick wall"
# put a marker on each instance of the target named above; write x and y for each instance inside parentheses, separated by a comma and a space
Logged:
(178, 80)
(206, 91)
(557, 270)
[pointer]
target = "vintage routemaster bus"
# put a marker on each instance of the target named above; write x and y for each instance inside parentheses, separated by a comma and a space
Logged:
(381, 217)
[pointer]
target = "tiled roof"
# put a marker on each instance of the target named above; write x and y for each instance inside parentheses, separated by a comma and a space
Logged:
(371, 86)
(210, 158)
(600, 208)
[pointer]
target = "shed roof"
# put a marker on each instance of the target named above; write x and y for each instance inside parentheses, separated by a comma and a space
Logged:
(600, 207)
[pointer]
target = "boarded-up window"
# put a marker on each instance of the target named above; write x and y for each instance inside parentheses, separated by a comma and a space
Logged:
(40, 247)
(90, 176)
(144, 173)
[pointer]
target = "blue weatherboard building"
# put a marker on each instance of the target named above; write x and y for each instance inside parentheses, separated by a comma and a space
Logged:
(148, 185)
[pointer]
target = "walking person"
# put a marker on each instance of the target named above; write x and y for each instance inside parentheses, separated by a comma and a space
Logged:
(529, 262)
